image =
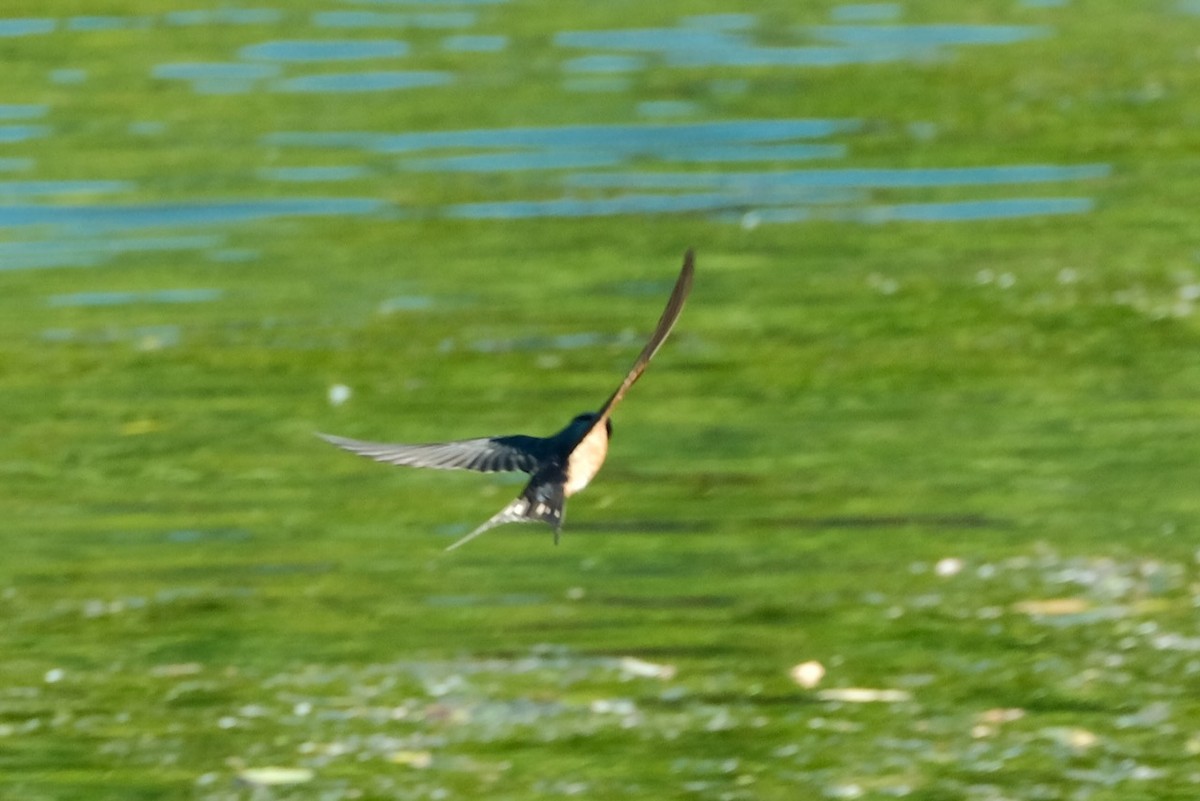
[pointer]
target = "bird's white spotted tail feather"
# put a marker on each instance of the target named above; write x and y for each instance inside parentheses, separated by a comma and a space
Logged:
(540, 503)
(515, 512)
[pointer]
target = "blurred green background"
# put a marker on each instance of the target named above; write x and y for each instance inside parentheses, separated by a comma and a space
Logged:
(929, 420)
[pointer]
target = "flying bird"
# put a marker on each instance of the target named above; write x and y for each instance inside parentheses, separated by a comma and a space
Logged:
(559, 465)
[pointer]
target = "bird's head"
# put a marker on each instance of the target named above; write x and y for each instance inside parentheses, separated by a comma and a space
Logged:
(583, 422)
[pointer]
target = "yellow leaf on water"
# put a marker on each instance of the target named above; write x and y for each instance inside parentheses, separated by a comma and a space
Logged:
(272, 776)
(1053, 606)
(137, 427)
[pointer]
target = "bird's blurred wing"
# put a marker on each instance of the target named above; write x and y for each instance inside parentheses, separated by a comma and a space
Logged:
(683, 285)
(487, 455)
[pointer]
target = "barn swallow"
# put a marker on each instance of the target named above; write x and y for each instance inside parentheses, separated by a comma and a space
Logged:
(559, 465)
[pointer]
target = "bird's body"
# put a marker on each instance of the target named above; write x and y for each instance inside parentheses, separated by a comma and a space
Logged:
(559, 465)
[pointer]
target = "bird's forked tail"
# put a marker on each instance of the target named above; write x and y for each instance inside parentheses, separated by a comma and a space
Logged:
(541, 505)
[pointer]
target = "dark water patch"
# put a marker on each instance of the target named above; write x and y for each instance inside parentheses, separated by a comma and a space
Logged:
(866, 12)
(666, 601)
(647, 526)
(475, 44)
(148, 215)
(26, 26)
(22, 133)
(564, 342)
(314, 174)
(224, 16)
(128, 298)
(22, 111)
(354, 82)
(941, 521)
(319, 50)
(665, 652)
(485, 601)
(385, 19)
(88, 252)
(10, 190)
(211, 571)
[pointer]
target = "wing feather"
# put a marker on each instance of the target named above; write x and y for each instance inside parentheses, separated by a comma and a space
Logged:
(518, 453)
(683, 285)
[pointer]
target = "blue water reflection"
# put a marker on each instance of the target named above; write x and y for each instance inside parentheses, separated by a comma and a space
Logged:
(227, 16)
(721, 22)
(926, 36)
(24, 189)
(866, 12)
(217, 77)
(605, 62)
(852, 177)
(22, 133)
(556, 159)
(665, 138)
(387, 19)
(723, 42)
(317, 50)
(954, 211)
(375, 81)
(475, 44)
(22, 111)
(68, 76)
(26, 26)
(429, 2)
(667, 108)
(108, 23)
(577, 207)
(76, 218)
(90, 252)
(343, 172)
(125, 298)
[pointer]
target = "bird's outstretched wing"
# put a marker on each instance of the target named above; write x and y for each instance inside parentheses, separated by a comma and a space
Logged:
(683, 285)
(487, 455)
